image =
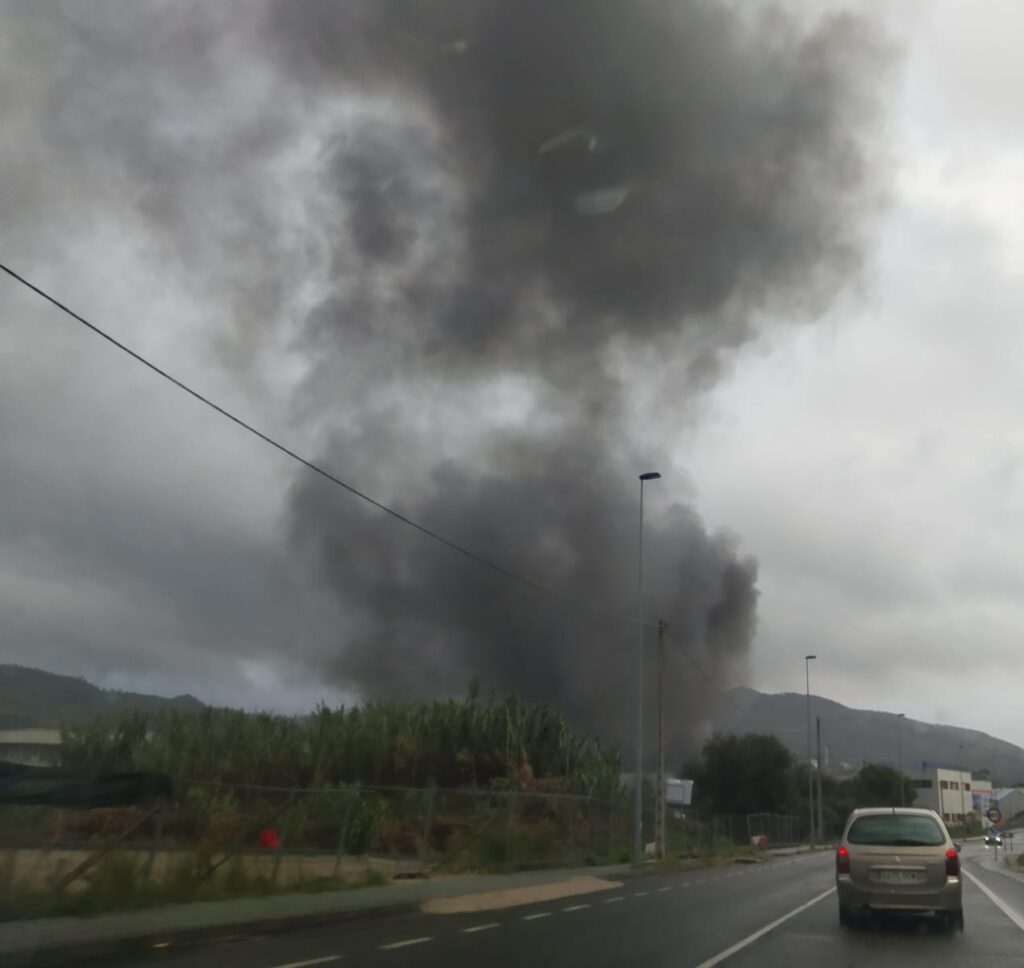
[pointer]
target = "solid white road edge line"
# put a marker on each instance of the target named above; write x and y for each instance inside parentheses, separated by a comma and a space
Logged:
(312, 961)
(996, 900)
(761, 932)
(402, 944)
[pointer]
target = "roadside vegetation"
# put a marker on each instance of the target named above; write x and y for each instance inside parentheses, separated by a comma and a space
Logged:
(347, 797)
(470, 742)
(120, 882)
(755, 773)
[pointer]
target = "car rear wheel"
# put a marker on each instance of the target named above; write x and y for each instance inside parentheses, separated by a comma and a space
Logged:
(845, 918)
(955, 921)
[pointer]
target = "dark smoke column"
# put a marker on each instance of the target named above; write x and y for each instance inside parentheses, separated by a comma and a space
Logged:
(530, 205)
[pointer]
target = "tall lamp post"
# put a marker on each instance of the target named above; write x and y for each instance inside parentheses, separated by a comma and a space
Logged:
(963, 799)
(810, 774)
(638, 796)
(994, 801)
(899, 754)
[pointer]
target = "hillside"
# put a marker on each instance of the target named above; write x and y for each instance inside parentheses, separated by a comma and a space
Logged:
(31, 697)
(854, 736)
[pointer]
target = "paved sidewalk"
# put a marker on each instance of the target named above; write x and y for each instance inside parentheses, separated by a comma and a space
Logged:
(61, 941)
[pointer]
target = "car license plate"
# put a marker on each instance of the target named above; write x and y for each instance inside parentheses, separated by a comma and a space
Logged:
(899, 877)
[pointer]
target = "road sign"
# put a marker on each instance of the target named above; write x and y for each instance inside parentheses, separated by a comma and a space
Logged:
(994, 814)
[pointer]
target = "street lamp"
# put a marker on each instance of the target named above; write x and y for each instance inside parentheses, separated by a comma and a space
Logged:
(810, 775)
(638, 796)
(899, 754)
(963, 800)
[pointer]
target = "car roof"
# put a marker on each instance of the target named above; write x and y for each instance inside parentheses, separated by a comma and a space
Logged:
(904, 811)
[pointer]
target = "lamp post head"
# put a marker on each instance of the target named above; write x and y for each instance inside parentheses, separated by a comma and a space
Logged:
(807, 658)
(650, 476)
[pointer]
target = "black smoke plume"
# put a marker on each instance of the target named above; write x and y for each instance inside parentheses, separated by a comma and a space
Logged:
(549, 224)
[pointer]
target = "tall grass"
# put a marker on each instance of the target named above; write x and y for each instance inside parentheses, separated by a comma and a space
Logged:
(466, 742)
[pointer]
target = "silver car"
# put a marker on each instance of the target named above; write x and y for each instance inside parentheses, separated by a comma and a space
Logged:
(898, 859)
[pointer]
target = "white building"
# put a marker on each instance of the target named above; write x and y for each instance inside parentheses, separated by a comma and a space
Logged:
(30, 747)
(947, 792)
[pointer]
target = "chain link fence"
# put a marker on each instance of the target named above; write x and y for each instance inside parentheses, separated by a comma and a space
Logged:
(268, 838)
(693, 834)
(773, 828)
(221, 840)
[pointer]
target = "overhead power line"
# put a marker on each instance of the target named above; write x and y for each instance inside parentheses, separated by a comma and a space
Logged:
(317, 469)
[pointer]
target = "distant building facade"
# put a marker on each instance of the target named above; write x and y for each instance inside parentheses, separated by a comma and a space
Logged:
(1010, 801)
(30, 747)
(946, 791)
(981, 796)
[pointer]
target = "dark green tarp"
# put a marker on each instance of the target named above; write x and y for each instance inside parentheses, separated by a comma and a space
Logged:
(58, 787)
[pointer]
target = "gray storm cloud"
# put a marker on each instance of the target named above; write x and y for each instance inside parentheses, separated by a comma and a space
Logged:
(505, 245)
(590, 196)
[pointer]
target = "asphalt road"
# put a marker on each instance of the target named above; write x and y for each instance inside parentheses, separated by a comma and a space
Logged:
(778, 914)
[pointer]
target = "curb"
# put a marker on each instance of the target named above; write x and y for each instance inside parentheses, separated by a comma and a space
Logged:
(102, 951)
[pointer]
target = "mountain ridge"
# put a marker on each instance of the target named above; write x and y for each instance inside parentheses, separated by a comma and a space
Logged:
(851, 736)
(35, 698)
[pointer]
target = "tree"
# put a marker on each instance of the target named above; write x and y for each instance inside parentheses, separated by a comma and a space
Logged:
(876, 785)
(752, 773)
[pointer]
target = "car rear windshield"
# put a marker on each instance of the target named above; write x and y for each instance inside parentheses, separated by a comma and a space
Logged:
(896, 830)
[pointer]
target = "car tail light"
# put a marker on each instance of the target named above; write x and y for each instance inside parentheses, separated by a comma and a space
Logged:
(843, 860)
(952, 863)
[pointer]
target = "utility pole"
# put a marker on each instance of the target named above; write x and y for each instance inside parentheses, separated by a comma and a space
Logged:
(638, 793)
(659, 800)
(810, 775)
(899, 754)
(963, 792)
(821, 814)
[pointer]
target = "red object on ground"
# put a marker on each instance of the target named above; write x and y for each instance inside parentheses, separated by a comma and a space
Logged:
(269, 838)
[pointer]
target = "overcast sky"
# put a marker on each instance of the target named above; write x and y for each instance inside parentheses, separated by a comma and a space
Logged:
(872, 459)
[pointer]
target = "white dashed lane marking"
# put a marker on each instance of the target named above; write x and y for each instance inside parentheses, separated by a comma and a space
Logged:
(403, 944)
(312, 961)
(538, 915)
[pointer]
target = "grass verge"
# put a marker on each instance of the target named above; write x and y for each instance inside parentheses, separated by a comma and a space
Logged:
(118, 884)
